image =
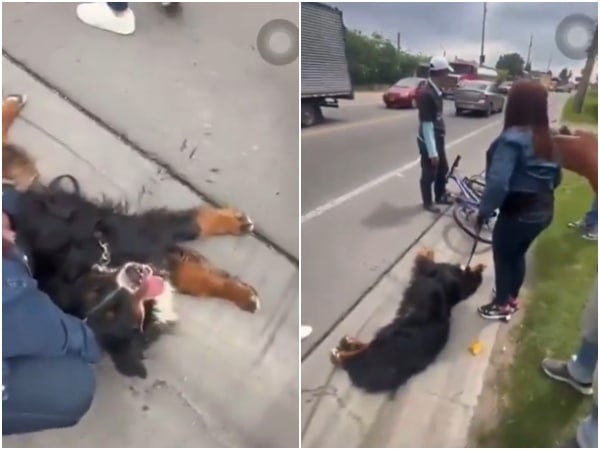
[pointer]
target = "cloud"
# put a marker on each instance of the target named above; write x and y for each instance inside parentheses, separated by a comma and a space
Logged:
(431, 28)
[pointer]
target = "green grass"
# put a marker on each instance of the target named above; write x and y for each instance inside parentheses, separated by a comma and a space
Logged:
(589, 113)
(540, 412)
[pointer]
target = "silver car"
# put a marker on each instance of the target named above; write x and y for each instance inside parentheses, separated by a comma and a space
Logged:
(480, 96)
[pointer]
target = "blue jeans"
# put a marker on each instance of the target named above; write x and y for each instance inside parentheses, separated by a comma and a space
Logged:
(587, 432)
(582, 369)
(511, 239)
(590, 220)
(43, 393)
(118, 6)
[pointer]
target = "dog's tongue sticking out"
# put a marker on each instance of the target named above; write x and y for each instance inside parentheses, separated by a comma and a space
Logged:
(150, 288)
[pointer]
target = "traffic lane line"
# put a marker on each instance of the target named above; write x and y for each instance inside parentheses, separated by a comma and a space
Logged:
(398, 172)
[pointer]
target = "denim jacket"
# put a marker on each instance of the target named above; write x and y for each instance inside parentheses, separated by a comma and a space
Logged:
(32, 325)
(512, 166)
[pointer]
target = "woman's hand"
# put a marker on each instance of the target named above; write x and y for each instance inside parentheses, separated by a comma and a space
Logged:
(578, 153)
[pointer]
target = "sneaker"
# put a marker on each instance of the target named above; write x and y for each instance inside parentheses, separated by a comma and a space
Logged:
(590, 235)
(305, 331)
(559, 370)
(432, 209)
(493, 311)
(100, 15)
(444, 200)
(512, 302)
(577, 224)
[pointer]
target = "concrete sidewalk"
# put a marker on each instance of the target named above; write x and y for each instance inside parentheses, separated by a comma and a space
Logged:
(436, 407)
(225, 378)
(191, 90)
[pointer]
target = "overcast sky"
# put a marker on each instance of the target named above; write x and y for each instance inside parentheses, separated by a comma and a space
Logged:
(456, 27)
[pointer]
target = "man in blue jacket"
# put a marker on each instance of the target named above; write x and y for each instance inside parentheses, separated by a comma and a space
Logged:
(431, 137)
(48, 356)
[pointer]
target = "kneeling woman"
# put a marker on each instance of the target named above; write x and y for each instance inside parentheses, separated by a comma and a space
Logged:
(521, 176)
(48, 356)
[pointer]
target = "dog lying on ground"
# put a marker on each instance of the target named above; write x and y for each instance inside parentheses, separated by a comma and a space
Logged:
(115, 269)
(418, 332)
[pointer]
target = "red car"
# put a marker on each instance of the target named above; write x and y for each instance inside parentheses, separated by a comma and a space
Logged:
(403, 93)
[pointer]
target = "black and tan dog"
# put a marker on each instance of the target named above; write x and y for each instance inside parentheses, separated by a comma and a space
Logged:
(112, 268)
(418, 332)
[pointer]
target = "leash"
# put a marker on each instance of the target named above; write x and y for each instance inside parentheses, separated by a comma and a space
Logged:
(475, 242)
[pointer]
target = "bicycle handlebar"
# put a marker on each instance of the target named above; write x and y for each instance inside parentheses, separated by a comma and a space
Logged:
(453, 167)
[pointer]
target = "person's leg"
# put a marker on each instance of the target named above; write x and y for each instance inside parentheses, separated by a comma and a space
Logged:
(441, 196)
(590, 222)
(44, 393)
(587, 431)
(503, 250)
(115, 17)
(118, 6)
(427, 178)
(528, 233)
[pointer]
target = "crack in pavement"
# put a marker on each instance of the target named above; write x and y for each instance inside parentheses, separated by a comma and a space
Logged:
(331, 391)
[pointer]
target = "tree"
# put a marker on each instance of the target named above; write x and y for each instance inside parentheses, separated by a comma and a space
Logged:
(376, 60)
(511, 62)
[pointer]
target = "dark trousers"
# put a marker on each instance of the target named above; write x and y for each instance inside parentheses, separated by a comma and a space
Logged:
(432, 175)
(118, 6)
(44, 393)
(511, 239)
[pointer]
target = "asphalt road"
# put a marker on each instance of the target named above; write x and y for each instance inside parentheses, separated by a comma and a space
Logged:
(360, 201)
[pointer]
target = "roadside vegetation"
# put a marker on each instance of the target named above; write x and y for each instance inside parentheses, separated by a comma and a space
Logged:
(535, 411)
(589, 113)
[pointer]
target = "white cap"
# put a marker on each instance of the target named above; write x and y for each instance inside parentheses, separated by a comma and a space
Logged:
(440, 63)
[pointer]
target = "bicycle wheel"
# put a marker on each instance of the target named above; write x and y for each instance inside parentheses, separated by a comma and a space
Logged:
(465, 218)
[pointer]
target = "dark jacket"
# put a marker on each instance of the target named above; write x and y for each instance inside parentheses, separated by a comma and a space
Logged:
(32, 325)
(512, 167)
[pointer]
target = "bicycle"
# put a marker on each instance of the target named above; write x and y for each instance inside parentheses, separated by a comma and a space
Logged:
(466, 204)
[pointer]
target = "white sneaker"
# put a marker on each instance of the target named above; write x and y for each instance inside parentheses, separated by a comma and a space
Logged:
(100, 15)
(305, 331)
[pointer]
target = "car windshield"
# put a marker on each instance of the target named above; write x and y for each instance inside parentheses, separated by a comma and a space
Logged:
(479, 86)
(407, 83)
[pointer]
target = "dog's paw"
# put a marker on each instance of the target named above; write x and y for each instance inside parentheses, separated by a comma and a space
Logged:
(16, 101)
(244, 295)
(345, 343)
(224, 221)
(334, 356)
(425, 253)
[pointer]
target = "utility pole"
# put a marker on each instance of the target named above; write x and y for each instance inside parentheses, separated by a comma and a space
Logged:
(528, 63)
(587, 73)
(398, 42)
(482, 54)
(549, 63)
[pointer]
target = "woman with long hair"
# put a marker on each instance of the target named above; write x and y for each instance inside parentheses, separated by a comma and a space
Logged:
(522, 172)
